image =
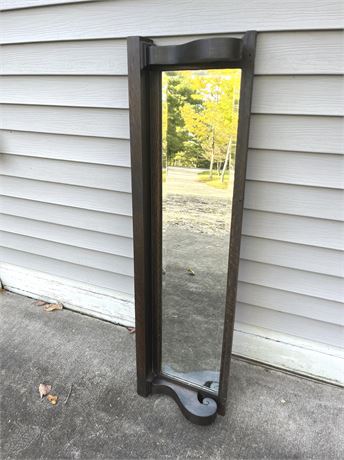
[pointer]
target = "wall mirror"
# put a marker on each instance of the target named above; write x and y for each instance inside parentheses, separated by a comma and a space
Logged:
(199, 131)
(189, 122)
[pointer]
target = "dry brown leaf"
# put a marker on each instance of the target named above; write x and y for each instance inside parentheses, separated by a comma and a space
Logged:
(39, 303)
(44, 389)
(131, 330)
(53, 306)
(52, 399)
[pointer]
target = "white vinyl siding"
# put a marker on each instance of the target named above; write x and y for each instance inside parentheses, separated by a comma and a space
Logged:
(65, 153)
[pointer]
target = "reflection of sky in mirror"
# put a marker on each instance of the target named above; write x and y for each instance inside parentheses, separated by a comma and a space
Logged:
(200, 117)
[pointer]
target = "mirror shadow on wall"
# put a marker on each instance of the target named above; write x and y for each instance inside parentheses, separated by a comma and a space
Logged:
(199, 127)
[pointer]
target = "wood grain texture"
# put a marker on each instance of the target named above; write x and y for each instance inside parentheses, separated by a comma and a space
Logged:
(282, 132)
(81, 227)
(16, 4)
(260, 196)
(71, 91)
(295, 229)
(329, 333)
(96, 19)
(104, 222)
(82, 273)
(289, 279)
(297, 133)
(295, 53)
(320, 170)
(80, 238)
(321, 233)
(82, 149)
(66, 120)
(299, 95)
(294, 199)
(67, 195)
(292, 303)
(300, 257)
(307, 95)
(270, 276)
(278, 53)
(68, 253)
(72, 173)
(94, 57)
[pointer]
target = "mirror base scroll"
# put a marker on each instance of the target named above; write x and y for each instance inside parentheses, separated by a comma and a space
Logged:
(196, 408)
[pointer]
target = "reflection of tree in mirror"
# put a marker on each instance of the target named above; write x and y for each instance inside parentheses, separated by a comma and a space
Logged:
(200, 117)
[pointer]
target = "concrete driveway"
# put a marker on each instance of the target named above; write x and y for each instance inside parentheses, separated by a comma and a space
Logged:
(270, 414)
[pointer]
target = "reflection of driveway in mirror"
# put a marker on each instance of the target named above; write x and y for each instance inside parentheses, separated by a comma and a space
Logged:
(192, 204)
(196, 227)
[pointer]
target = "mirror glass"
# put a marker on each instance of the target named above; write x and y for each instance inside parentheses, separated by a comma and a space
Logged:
(199, 132)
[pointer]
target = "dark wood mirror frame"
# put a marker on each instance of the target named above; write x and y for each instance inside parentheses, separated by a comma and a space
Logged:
(146, 61)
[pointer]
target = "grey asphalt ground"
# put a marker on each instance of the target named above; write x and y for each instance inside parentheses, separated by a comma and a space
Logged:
(270, 414)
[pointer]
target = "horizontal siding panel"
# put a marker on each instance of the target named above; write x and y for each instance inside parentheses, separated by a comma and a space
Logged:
(300, 257)
(282, 132)
(290, 53)
(256, 249)
(15, 4)
(98, 57)
(307, 95)
(299, 168)
(289, 279)
(67, 270)
(98, 150)
(66, 120)
(72, 173)
(112, 224)
(67, 195)
(121, 18)
(330, 334)
(268, 166)
(77, 237)
(295, 229)
(296, 53)
(123, 283)
(289, 302)
(260, 196)
(297, 133)
(106, 92)
(72, 254)
(292, 199)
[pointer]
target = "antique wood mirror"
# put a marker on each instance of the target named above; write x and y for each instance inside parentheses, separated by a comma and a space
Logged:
(189, 121)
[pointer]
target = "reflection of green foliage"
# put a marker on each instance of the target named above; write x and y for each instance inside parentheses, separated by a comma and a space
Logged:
(178, 94)
(200, 115)
(215, 180)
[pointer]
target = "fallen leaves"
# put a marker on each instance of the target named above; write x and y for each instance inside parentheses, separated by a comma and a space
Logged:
(53, 306)
(131, 330)
(52, 399)
(49, 306)
(44, 389)
(39, 303)
(190, 271)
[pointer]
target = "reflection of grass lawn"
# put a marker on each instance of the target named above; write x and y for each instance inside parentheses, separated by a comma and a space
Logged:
(215, 181)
